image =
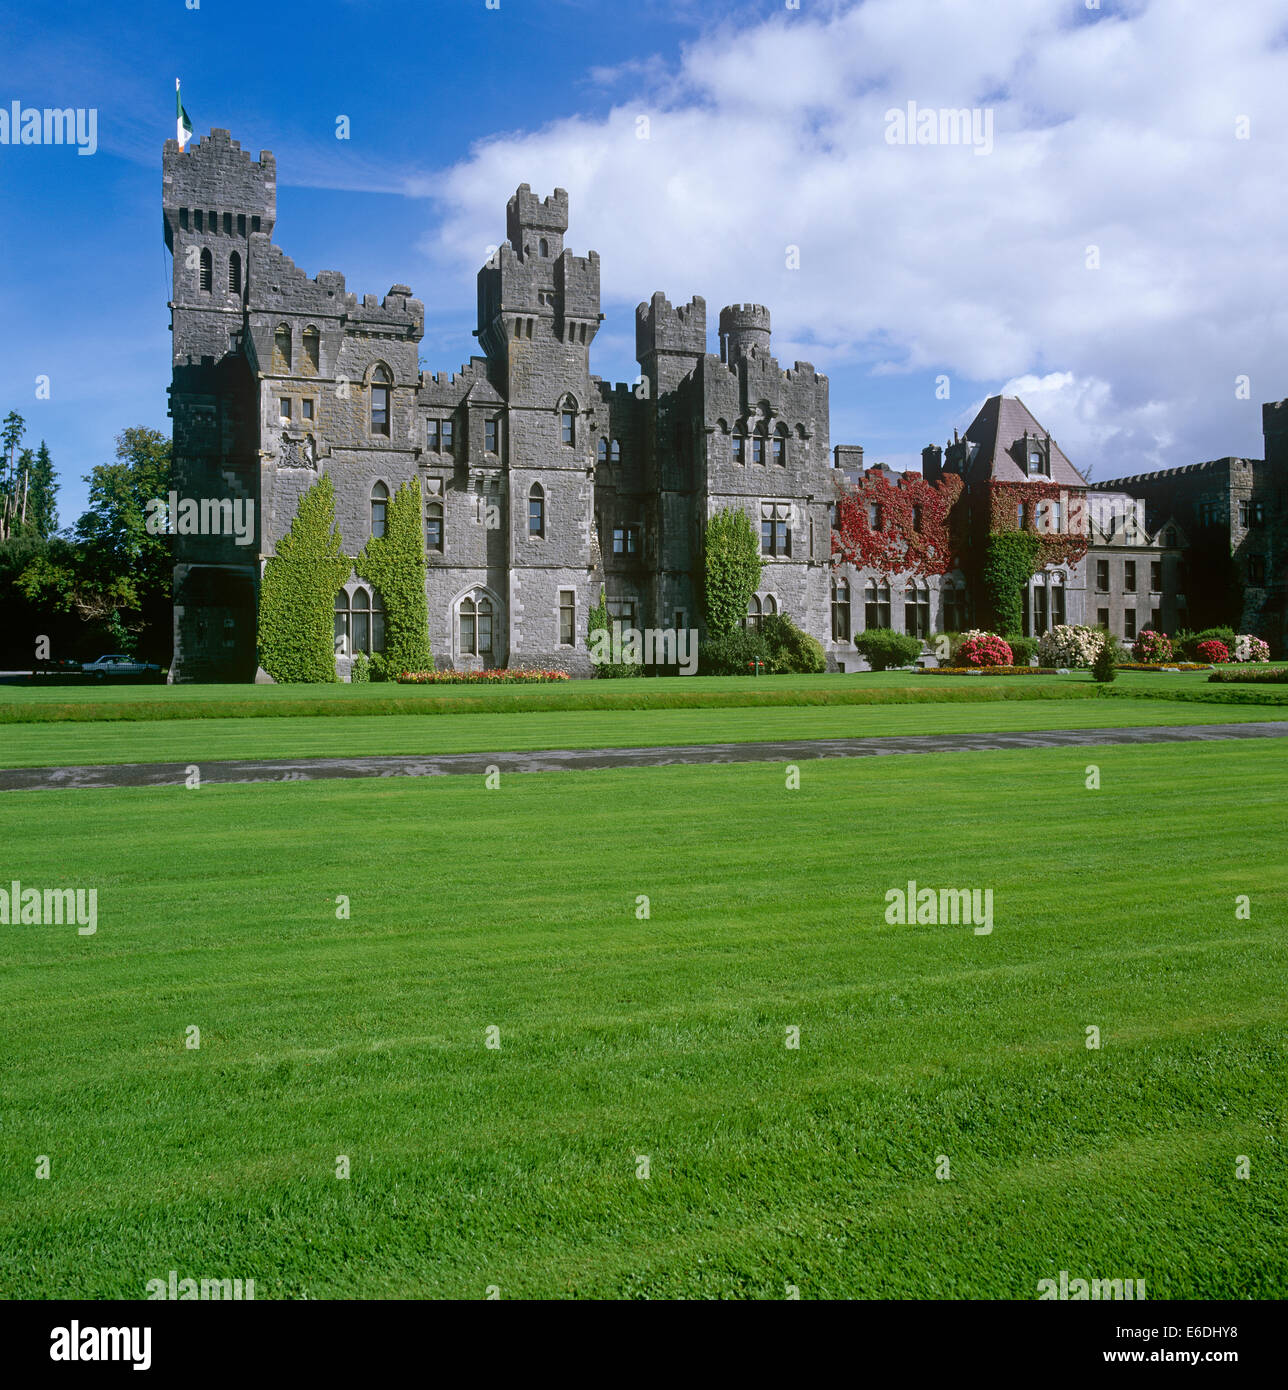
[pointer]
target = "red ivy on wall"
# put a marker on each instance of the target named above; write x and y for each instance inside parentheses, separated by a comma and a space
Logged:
(1063, 547)
(916, 532)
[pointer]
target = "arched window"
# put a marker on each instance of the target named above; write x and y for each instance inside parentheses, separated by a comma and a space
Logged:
(916, 609)
(771, 605)
(234, 273)
(312, 349)
(282, 348)
(617, 451)
(537, 511)
(359, 622)
(380, 384)
(379, 510)
(568, 422)
(601, 451)
(876, 604)
(1057, 599)
(475, 626)
(434, 527)
(840, 610)
(778, 445)
(207, 271)
(754, 616)
(544, 246)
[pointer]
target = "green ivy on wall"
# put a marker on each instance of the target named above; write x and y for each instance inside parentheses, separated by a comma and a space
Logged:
(297, 596)
(1009, 563)
(395, 564)
(732, 569)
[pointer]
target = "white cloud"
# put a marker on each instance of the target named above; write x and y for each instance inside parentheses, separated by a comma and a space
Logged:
(1111, 130)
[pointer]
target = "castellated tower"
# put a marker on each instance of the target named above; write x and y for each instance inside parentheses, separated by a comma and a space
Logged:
(214, 199)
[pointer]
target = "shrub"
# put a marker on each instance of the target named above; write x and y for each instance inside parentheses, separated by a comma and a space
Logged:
(378, 667)
(883, 648)
(792, 651)
(1072, 645)
(599, 621)
(1250, 648)
(732, 567)
(297, 598)
(1152, 647)
(1212, 650)
(1103, 668)
(360, 671)
(983, 649)
(733, 653)
(395, 565)
(1187, 643)
(1023, 649)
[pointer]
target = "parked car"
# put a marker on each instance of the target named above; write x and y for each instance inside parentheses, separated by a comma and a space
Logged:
(118, 665)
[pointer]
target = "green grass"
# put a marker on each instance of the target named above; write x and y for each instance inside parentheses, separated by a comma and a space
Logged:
(206, 740)
(621, 1037)
(26, 704)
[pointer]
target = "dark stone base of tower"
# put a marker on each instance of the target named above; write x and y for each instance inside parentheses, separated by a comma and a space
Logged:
(542, 483)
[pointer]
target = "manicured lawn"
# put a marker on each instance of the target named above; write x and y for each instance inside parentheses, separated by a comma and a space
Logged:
(622, 1038)
(205, 740)
(128, 702)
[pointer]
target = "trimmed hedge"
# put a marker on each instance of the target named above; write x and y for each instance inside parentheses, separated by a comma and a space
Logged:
(792, 651)
(297, 598)
(882, 647)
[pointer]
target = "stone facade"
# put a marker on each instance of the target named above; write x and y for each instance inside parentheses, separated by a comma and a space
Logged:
(543, 484)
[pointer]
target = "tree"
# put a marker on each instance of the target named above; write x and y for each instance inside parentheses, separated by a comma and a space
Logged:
(11, 434)
(733, 567)
(41, 516)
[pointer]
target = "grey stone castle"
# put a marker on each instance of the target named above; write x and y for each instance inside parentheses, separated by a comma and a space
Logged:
(543, 484)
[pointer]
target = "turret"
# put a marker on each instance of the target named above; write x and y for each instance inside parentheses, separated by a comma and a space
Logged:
(743, 327)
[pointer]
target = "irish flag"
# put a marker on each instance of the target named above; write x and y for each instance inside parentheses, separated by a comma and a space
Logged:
(183, 126)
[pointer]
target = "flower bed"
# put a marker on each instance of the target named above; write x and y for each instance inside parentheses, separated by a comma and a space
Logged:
(500, 677)
(1257, 675)
(1158, 666)
(988, 670)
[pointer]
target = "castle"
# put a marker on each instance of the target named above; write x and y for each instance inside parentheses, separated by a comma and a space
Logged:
(544, 485)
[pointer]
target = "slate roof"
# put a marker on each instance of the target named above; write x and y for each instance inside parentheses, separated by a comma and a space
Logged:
(999, 429)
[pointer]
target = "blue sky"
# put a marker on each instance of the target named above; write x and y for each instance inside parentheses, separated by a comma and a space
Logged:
(1114, 127)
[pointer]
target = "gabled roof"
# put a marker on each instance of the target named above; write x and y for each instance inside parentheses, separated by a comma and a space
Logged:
(999, 430)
